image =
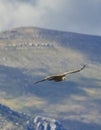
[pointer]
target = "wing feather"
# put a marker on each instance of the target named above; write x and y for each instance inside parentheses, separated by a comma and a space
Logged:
(75, 71)
(40, 81)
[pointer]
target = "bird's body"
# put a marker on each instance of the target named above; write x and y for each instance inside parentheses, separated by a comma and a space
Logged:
(59, 77)
(56, 78)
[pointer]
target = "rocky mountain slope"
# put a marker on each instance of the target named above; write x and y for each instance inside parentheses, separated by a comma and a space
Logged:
(28, 54)
(12, 120)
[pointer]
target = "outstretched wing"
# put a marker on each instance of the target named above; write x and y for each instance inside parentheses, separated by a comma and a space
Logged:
(40, 81)
(75, 71)
(46, 78)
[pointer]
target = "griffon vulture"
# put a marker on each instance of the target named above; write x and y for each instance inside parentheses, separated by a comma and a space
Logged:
(60, 77)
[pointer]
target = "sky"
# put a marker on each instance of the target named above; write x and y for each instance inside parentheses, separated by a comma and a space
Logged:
(82, 16)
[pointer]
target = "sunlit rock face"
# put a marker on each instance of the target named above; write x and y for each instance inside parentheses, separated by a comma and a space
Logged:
(45, 123)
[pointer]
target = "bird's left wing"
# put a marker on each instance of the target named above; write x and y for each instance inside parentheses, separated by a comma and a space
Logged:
(75, 71)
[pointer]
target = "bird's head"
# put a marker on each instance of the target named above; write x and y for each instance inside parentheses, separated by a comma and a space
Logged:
(63, 78)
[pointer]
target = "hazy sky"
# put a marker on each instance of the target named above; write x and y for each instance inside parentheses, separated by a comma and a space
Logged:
(83, 16)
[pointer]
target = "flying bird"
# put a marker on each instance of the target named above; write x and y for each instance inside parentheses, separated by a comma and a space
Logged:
(59, 77)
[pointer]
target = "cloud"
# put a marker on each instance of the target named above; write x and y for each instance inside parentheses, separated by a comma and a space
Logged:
(18, 14)
(68, 15)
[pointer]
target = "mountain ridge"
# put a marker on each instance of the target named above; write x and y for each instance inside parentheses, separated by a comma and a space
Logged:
(41, 31)
(35, 37)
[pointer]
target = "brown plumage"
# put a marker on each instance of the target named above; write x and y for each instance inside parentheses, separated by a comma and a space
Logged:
(60, 77)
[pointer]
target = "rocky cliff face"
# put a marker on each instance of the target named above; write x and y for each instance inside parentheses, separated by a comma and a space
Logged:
(46, 123)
